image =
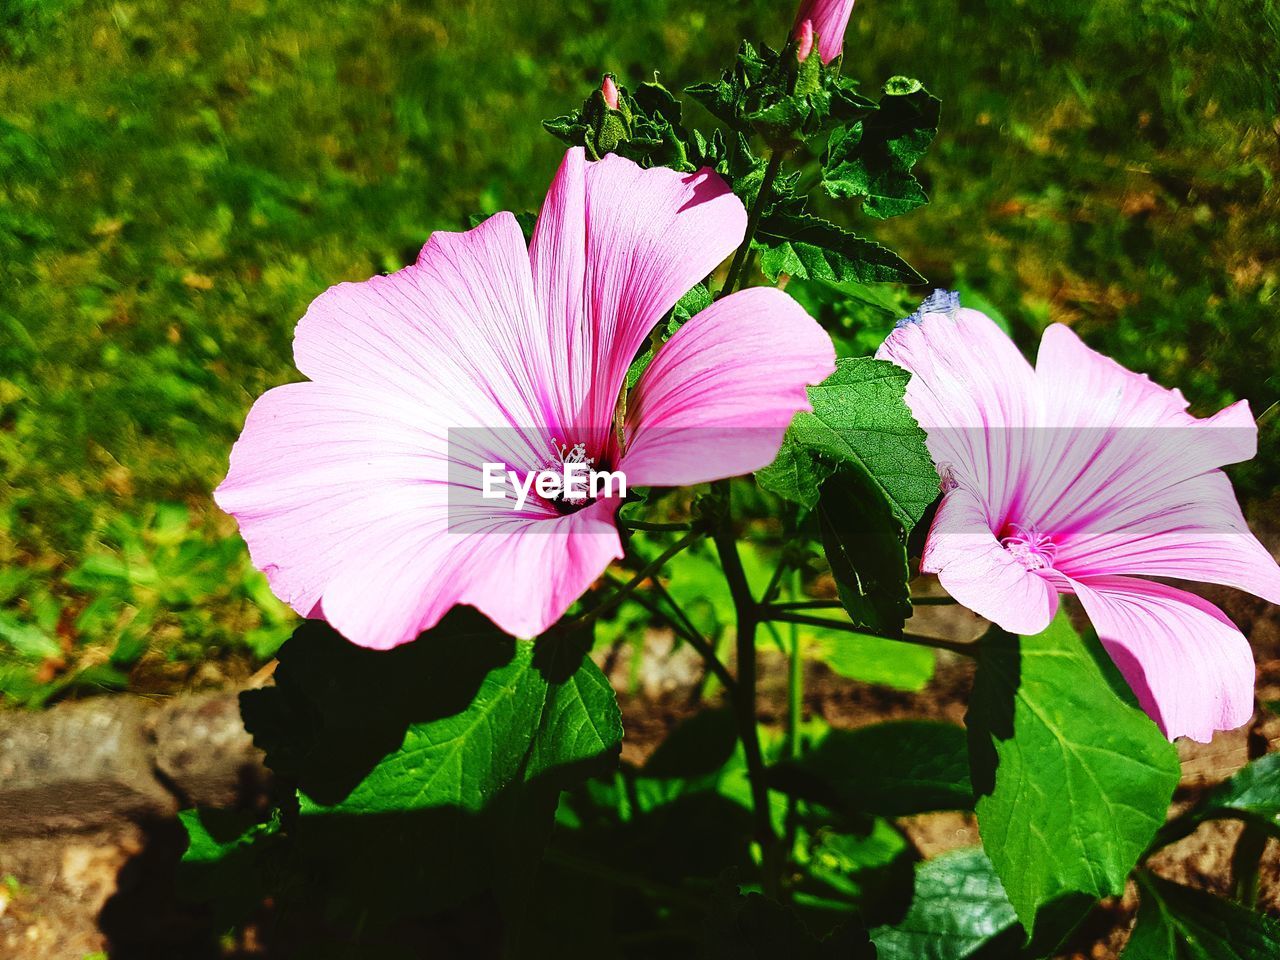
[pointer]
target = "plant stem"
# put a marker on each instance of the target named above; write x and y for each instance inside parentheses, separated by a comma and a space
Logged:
(807, 605)
(795, 705)
(744, 699)
(753, 222)
(685, 629)
(654, 527)
(784, 615)
(1246, 862)
(630, 587)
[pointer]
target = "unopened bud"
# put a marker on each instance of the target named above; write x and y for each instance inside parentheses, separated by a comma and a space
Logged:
(804, 40)
(610, 91)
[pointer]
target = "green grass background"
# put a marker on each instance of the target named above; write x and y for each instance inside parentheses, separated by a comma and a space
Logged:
(178, 181)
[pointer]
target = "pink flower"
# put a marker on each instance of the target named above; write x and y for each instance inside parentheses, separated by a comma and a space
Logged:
(826, 18)
(1079, 476)
(357, 491)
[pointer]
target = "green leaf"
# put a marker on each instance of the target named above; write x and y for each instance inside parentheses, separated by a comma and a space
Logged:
(866, 547)
(451, 719)
(859, 420)
(1252, 794)
(27, 639)
(808, 247)
(869, 659)
(872, 159)
(1072, 779)
(1178, 923)
(230, 862)
(892, 769)
(959, 906)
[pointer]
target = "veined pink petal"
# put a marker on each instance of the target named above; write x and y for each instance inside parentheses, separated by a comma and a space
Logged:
(974, 394)
(522, 573)
(1092, 395)
(980, 573)
(458, 332)
(717, 399)
(650, 236)
(322, 472)
(830, 19)
(1190, 668)
(1191, 530)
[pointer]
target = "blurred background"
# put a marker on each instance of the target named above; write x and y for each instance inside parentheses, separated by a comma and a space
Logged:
(179, 180)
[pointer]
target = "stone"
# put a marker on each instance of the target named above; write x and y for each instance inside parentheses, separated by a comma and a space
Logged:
(76, 766)
(204, 753)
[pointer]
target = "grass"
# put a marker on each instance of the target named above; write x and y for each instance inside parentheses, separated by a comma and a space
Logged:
(177, 182)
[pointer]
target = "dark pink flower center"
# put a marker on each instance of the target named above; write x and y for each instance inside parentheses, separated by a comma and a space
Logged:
(1031, 548)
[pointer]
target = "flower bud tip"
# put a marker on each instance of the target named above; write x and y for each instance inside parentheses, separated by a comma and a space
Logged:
(804, 40)
(610, 91)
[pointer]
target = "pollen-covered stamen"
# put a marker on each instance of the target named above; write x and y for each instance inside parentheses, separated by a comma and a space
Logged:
(1033, 549)
(567, 455)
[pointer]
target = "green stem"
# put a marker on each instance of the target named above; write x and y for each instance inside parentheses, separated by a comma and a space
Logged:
(650, 527)
(630, 587)
(684, 628)
(753, 222)
(783, 615)
(795, 705)
(1246, 862)
(744, 699)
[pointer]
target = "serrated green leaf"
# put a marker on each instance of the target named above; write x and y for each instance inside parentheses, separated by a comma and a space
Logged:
(872, 159)
(959, 907)
(1179, 923)
(453, 719)
(808, 247)
(859, 420)
(1072, 779)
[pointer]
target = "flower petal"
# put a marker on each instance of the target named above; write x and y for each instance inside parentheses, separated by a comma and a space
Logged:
(521, 573)
(980, 573)
(718, 397)
(1190, 668)
(651, 235)
(459, 331)
(974, 394)
(1192, 530)
(1085, 391)
(324, 471)
(349, 502)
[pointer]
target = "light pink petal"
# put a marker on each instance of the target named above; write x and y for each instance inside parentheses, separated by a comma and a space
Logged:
(650, 236)
(830, 19)
(1190, 668)
(558, 253)
(1192, 530)
(322, 472)
(974, 394)
(459, 333)
(521, 573)
(981, 574)
(349, 504)
(1091, 394)
(717, 399)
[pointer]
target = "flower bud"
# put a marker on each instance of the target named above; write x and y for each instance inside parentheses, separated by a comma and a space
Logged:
(804, 40)
(827, 19)
(610, 90)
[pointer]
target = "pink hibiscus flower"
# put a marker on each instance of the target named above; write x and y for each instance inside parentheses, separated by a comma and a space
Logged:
(1078, 476)
(826, 18)
(358, 491)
